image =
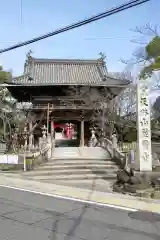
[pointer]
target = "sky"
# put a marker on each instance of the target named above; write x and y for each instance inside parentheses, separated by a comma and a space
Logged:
(25, 19)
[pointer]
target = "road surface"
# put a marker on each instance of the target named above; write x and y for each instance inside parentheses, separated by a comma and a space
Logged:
(25, 215)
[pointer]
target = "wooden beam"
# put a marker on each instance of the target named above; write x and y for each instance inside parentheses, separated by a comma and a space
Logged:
(54, 107)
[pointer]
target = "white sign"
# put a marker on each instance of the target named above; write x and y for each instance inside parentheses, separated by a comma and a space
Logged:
(12, 159)
(9, 159)
(3, 158)
(144, 126)
(59, 136)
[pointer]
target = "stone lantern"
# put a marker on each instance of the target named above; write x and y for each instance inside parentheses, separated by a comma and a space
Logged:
(93, 139)
(44, 131)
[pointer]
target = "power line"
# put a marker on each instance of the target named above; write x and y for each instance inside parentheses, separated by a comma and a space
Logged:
(78, 24)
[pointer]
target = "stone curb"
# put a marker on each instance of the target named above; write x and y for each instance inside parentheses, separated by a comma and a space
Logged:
(83, 194)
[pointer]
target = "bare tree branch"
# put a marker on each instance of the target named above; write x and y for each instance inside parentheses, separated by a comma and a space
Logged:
(105, 107)
(139, 56)
(148, 30)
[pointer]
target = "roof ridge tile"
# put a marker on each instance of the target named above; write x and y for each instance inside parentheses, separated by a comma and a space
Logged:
(67, 61)
(65, 72)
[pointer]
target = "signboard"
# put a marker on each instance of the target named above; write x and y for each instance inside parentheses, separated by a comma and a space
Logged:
(144, 127)
(3, 158)
(8, 159)
(12, 159)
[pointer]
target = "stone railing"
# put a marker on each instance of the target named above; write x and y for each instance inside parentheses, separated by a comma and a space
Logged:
(115, 153)
(27, 159)
(126, 148)
(107, 144)
(36, 156)
(48, 144)
(39, 156)
(16, 161)
(120, 157)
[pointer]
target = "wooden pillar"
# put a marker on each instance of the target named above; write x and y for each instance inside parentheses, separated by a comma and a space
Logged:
(82, 132)
(52, 138)
(52, 129)
(30, 136)
(48, 119)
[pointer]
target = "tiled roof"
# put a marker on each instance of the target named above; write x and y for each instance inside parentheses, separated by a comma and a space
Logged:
(65, 72)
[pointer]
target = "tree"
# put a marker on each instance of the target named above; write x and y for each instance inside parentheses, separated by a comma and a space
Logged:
(126, 99)
(156, 109)
(5, 103)
(4, 75)
(97, 100)
(146, 58)
(104, 112)
(153, 57)
(106, 108)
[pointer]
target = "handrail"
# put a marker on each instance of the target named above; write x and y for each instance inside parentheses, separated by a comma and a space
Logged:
(114, 152)
(109, 146)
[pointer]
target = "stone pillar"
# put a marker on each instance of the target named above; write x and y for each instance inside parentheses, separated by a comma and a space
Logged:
(114, 141)
(93, 139)
(52, 137)
(40, 143)
(44, 132)
(52, 129)
(144, 153)
(49, 147)
(30, 136)
(82, 133)
(48, 119)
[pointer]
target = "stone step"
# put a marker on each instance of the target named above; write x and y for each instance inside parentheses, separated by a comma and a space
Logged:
(79, 158)
(60, 152)
(91, 152)
(42, 172)
(80, 162)
(74, 177)
(75, 166)
(79, 149)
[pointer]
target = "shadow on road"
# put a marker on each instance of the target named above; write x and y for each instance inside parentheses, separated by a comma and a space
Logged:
(77, 221)
(145, 216)
(28, 210)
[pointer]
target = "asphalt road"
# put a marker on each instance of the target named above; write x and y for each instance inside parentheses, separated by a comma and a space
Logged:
(26, 216)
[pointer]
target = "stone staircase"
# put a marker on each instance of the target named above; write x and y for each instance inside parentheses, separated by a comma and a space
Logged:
(80, 153)
(81, 167)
